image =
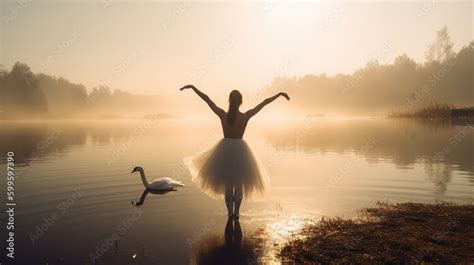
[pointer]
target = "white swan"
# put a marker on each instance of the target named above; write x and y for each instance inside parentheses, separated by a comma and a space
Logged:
(158, 184)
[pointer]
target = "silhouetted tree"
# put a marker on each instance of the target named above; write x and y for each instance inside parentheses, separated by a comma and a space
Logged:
(441, 49)
(20, 92)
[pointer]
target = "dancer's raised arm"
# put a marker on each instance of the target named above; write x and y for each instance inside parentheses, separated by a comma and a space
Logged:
(218, 111)
(267, 101)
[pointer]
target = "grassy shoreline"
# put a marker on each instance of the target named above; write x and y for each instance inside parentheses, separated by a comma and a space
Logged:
(435, 110)
(389, 233)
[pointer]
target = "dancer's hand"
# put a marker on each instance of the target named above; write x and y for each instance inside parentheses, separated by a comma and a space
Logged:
(285, 95)
(186, 87)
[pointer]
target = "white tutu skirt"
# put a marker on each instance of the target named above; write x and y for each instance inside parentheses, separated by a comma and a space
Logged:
(229, 162)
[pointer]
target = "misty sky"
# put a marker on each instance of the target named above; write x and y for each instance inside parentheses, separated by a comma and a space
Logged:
(152, 47)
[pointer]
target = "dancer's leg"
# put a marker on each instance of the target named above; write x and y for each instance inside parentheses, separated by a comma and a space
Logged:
(238, 195)
(229, 197)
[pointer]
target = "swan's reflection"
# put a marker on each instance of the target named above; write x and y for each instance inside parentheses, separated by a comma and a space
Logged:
(235, 249)
(145, 193)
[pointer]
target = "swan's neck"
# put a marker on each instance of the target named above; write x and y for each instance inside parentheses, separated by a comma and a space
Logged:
(145, 182)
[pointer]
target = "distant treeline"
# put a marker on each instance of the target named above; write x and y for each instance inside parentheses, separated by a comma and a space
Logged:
(25, 94)
(445, 77)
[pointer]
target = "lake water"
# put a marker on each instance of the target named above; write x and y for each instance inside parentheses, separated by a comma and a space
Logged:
(74, 188)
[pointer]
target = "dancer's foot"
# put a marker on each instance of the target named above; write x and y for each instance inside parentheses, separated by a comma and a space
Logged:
(236, 216)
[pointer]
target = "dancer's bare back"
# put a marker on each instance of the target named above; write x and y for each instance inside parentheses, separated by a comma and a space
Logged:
(236, 130)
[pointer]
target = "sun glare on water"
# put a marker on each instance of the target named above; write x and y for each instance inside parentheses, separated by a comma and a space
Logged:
(276, 233)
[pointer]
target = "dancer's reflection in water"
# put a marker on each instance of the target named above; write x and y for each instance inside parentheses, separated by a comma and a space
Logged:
(233, 235)
(145, 193)
(234, 250)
